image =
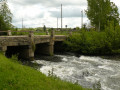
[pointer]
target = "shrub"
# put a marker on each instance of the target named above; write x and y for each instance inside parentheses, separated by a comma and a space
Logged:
(93, 42)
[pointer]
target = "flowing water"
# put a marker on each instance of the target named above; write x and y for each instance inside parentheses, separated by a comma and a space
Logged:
(85, 70)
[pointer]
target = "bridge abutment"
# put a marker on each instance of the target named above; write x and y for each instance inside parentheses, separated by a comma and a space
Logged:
(3, 49)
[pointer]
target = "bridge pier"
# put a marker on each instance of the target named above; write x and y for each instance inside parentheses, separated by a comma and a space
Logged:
(27, 53)
(50, 49)
(31, 46)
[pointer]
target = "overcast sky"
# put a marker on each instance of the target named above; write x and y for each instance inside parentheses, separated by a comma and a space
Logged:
(37, 13)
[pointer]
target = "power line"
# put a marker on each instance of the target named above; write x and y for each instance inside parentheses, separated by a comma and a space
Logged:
(22, 23)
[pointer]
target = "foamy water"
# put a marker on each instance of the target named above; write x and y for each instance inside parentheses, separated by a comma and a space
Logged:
(85, 70)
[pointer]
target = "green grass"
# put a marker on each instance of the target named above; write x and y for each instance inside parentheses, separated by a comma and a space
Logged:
(15, 76)
(40, 33)
(61, 33)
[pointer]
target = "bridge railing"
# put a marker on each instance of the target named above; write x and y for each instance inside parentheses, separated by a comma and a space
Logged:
(14, 33)
(17, 33)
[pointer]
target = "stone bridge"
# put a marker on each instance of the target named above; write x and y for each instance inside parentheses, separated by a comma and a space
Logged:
(26, 45)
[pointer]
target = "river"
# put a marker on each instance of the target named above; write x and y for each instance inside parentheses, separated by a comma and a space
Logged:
(84, 70)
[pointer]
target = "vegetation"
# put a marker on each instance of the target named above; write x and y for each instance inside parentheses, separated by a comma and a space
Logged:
(16, 76)
(93, 42)
(100, 12)
(5, 16)
(107, 41)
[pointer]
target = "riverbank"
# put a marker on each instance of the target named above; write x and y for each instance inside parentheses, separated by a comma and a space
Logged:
(14, 75)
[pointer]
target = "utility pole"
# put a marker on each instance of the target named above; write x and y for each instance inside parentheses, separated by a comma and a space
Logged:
(61, 17)
(81, 18)
(57, 23)
(22, 23)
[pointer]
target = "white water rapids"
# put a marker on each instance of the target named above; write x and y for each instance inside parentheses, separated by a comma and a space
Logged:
(85, 70)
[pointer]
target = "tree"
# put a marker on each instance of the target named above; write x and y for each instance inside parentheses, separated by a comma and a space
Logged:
(100, 12)
(44, 28)
(5, 16)
(66, 26)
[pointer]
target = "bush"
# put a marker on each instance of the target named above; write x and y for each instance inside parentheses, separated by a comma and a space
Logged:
(93, 42)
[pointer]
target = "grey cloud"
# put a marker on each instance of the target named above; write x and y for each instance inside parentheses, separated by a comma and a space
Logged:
(18, 19)
(50, 3)
(67, 12)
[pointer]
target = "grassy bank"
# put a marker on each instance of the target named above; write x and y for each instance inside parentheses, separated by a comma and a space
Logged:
(15, 76)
